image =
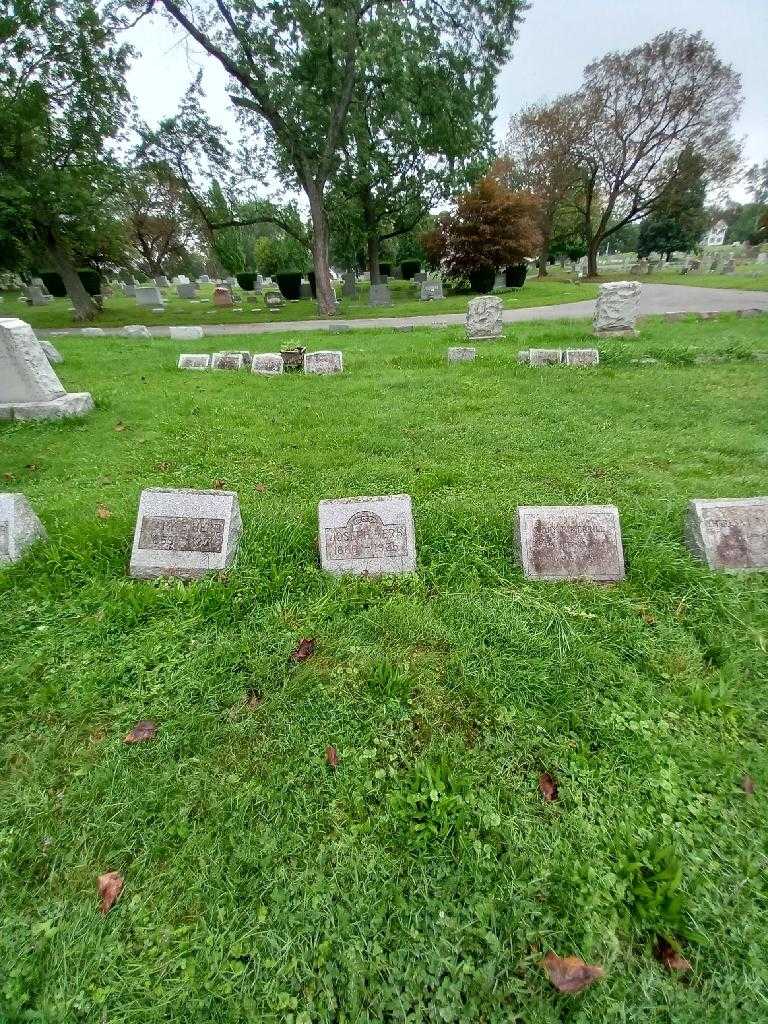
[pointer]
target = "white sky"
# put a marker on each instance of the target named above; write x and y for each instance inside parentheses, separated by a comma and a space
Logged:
(556, 40)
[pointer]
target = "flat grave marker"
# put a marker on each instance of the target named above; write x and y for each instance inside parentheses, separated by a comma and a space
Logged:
(729, 534)
(194, 361)
(367, 536)
(267, 364)
(581, 357)
(227, 361)
(323, 362)
(461, 354)
(570, 542)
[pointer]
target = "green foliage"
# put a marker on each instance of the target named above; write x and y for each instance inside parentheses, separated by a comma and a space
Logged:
(678, 219)
(654, 900)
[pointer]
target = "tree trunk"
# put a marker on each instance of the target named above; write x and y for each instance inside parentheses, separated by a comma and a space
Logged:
(373, 259)
(371, 235)
(326, 299)
(592, 251)
(86, 307)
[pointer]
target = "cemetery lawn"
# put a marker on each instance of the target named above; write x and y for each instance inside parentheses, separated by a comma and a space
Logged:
(756, 281)
(424, 877)
(120, 310)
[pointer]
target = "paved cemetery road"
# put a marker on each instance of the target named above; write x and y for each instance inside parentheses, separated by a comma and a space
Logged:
(655, 299)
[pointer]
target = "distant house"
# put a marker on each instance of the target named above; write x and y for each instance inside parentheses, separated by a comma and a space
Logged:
(716, 234)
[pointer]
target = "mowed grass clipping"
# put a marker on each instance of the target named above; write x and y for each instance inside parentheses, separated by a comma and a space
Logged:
(120, 310)
(424, 878)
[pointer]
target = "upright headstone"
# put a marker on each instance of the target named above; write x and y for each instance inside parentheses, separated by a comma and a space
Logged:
(431, 290)
(185, 333)
(323, 362)
(222, 297)
(181, 279)
(227, 361)
(484, 318)
(267, 363)
(729, 534)
(37, 297)
(29, 387)
(129, 290)
(185, 533)
(420, 277)
(305, 290)
(500, 281)
(729, 267)
(762, 257)
(293, 359)
(194, 361)
(52, 354)
(617, 306)
(19, 527)
(581, 357)
(570, 542)
(461, 354)
(349, 287)
(379, 295)
(203, 279)
(149, 296)
(273, 301)
(161, 281)
(186, 290)
(367, 536)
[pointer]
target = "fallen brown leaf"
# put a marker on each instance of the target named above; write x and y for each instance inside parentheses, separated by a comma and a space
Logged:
(548, 787)
(32, 466)
(140, 733)
(9, 477)
(304, 650)
(163, 467)
(253, 699)
(260, 488)
(672, 958)
(219, 484)
(110, 887)
(570, 973)
(748, 785)
(103, 512)
(119, 426)
(332, 756)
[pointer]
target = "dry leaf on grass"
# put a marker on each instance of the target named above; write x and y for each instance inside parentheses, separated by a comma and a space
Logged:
(219, 485)
(140, 733)
(260, 488)
(304, 650)
(332, 756)
(548, 787)
(9, 477)
(253, 699)
(31, 466)
(672, 958)
(110, 887)
(119, 426)
(570, 973)
(103, 512)
(748, 785)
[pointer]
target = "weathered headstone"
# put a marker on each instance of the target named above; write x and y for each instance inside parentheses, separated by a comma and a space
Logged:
(305, 290)
(203, 279)
(500, 281)
(185, 333)
(617, 306)
(729, 267)
(379, 295)
(581, 357)
(729, 534)
(431, 290)
(162, 281)
(461, 354)
(323, 362)
(222, 297)
(136, 331)
(186, 290)
(349, 287)
(367, 536)
(181, 279)
(92, 332)
(544, 356)
(150, 296)
(194, 361)
(52, 354)
(484, 318)
(267, 363)
(185, 533)
(227, 361)
(19, 527)
(273, 300)
(129, 290)
(37, 297)
(570, 542)
(762, 257)
(29, 387)
(420, 277)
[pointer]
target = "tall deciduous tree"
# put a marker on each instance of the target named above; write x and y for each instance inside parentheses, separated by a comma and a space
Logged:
(638, 111)
(295, 67)
(62, 96)
(678, 219)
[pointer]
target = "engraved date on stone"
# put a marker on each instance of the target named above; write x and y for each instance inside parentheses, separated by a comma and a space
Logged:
(739, 535)
(181, 533)
(582, 545)
(365, 537)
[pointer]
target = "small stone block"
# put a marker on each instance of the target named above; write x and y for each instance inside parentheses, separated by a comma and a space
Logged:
(267, 363)
(461, 354)
(367, 536)
(185, 533)
(750, 312)
(570, 542)
(227, 361)
(185, 333)
(194, 361)
(729, 534)
(92, 332)
(544, 356)
(52, 354)
(524, 356)
(135, 331)
(581, 357)
(19, 527)
(75, 403)
(323, 362)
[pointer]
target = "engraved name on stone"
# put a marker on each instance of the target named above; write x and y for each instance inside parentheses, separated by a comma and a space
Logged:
(570, 543)
(367, 536)
(729, 534)
(180, 533)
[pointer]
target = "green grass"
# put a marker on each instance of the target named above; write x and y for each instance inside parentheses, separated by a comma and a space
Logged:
(754, 281)
(119, 310)
(424, 878)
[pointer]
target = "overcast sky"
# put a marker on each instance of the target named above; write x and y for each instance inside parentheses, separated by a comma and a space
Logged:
(557, 39)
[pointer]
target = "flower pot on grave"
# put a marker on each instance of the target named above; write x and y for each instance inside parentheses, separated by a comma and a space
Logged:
(293, 359)
(289, 285)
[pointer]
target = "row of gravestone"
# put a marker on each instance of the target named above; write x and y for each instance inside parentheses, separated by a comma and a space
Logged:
(264, 363)
(189, 533)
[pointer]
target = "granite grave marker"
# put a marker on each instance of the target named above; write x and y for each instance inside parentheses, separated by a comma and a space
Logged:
(570, 542)
(367, 536)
